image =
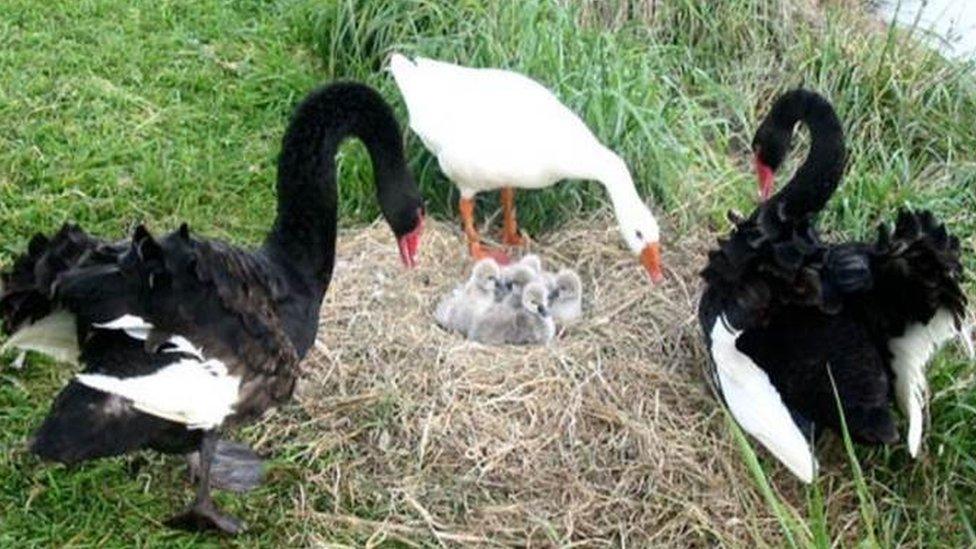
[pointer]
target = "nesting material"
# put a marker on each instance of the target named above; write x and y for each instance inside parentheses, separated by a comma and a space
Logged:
(608, 436)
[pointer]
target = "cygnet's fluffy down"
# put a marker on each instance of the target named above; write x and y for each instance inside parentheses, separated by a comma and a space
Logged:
(514, 279)
(566, 296)
(471, 299)
(527, 323)
(532, 261)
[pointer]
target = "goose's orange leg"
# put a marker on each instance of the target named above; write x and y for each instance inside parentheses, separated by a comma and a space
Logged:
(510, 232)
(477, 250)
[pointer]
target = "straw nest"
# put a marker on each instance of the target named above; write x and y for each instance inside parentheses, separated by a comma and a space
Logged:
(608, 436)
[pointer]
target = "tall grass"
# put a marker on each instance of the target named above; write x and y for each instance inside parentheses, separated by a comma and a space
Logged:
(679, 92)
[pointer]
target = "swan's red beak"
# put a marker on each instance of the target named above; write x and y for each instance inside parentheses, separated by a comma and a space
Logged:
(409, 244)
(766, 178)
(650, 258)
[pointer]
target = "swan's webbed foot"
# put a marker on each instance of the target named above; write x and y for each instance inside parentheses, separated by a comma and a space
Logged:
(203, 516)
(203, 513)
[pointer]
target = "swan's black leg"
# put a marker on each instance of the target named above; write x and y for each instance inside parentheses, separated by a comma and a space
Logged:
(203, 513)
(235, 467)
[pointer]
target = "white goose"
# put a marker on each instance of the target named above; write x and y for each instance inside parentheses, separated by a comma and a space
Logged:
(495, 129)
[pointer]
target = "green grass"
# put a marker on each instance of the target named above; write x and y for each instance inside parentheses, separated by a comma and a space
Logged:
(114, 112)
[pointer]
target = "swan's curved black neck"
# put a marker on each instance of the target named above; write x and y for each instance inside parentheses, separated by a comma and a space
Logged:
(304, 232)
(816, 180)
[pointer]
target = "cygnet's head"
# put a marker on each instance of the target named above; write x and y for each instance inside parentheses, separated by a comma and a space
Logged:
(568, 285)
(520, 276)
(514, 279)
(485, 275)
(532, 261)
(535, 299)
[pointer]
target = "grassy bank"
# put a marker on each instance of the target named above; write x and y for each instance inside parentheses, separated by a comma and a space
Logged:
(115, 112)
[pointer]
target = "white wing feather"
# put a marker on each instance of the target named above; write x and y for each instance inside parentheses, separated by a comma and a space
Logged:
(199, 394)
(757, 406)
(910, 355)
(966, 337)
(134, 327)
(55, 335)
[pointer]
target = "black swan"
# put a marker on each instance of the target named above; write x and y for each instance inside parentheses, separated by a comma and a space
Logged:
(787, 317)
(182, 336)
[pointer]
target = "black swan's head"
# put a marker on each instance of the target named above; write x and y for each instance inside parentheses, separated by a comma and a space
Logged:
(774, 137)
(769, 149)
(773, 140)
(404, 212)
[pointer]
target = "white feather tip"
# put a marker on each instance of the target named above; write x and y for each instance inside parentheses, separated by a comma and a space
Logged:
(399, 63)
(966, 338)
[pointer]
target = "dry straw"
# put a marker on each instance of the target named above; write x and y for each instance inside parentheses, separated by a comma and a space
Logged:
(608, 436)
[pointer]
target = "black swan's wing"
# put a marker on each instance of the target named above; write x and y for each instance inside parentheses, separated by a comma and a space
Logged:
(216, 301)
(920, 265)
(769, 263)
(249, 297)
(754, 402)
(182, 330)
(89, 420)
(28, 311)
(915, 304)
(814, 359)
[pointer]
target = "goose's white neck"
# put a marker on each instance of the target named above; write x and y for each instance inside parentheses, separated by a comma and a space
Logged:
(637, 224)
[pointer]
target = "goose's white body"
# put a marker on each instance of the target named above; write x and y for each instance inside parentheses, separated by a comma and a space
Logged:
(492, 128)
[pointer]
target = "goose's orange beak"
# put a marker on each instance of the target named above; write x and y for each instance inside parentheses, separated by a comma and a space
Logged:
(766, 178)
(650, 258)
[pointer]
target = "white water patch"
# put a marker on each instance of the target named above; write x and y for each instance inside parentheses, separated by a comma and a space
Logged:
(950, 24)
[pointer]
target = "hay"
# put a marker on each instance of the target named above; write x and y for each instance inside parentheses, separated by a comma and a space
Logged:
(608, 436)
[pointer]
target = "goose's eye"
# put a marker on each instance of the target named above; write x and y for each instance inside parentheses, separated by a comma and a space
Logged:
(640, 235)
